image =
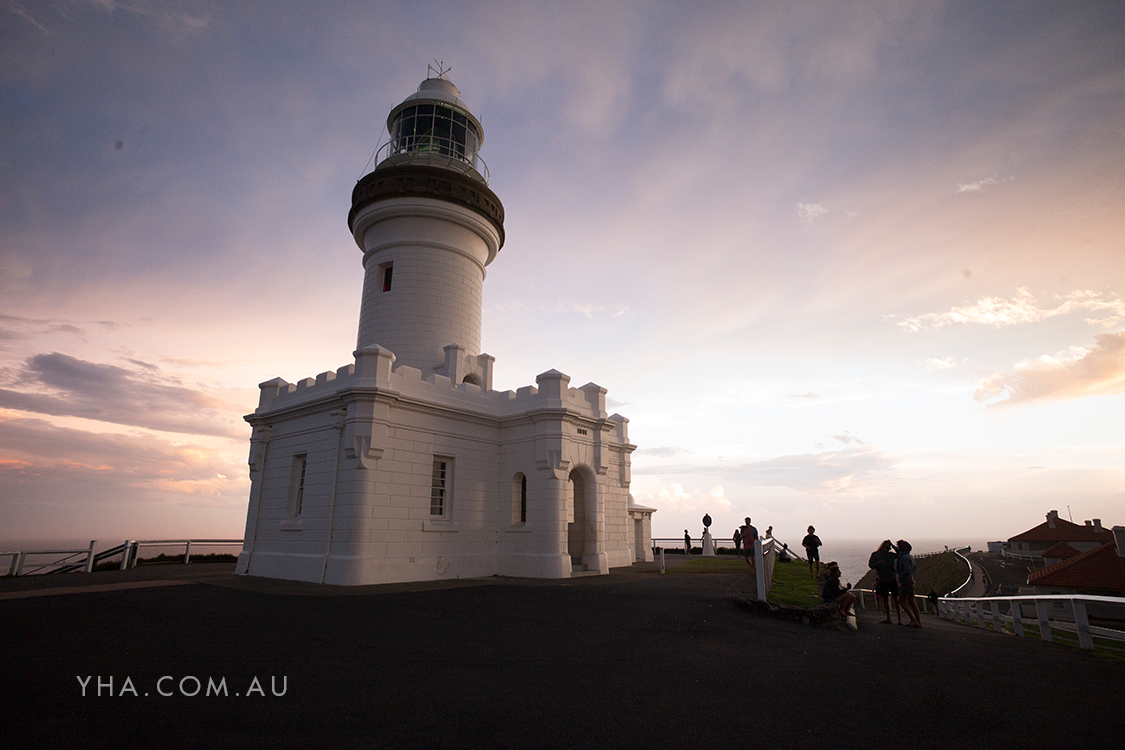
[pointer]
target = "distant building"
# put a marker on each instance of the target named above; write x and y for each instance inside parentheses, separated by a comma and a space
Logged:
(996, 548)
(1097, 571)
(1031, 544)
(406, 465)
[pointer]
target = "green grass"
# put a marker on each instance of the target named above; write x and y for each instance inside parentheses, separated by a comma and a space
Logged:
(942, 573)
(792, 585)
(711, 565)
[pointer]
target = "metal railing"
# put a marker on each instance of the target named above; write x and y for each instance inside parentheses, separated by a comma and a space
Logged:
(1065, 613)
(128, 550)
(19, 559)
(132, 548)
(445, 152)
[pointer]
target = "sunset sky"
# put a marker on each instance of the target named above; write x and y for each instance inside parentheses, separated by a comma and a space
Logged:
(853, 264)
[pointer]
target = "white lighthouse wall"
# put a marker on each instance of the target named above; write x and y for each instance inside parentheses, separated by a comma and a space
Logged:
(369, 437)
(438, 251)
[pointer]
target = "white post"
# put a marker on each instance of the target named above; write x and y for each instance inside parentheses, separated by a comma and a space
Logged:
(125, 547)
(1044, 620)
(17, 564)
(661, 561)
(187, 553)
(1085, 640)
(1017, 618)
(90, 557)
(994, 610)
(975, 613)
(759, 570)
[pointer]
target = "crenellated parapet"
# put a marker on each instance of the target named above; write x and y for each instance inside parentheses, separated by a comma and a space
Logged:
(374, 373)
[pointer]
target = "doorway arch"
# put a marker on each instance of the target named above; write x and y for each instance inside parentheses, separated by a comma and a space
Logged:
(581, 515)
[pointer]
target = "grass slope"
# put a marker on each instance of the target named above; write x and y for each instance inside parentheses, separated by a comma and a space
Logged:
(942, 573)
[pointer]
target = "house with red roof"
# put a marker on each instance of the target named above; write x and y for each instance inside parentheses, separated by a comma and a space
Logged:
(1033, 543)
(1099, 571)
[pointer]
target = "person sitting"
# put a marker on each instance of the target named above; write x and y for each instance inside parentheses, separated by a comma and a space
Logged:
(833, 592)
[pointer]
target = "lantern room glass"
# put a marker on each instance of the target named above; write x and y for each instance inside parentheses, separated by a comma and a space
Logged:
(434, 128)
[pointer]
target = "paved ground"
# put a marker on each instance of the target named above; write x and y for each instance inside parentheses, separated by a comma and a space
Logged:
(632, 659)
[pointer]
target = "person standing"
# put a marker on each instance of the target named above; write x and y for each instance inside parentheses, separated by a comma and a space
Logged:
(687, 542)
(905, 569)
(738, 541)
(885, 562)
(812, 545)
(749, 536)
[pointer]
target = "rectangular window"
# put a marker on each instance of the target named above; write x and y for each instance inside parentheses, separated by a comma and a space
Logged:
(439, 487)
(297, 484)
(386, 271)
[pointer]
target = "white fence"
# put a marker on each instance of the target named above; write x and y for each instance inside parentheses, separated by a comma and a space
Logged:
(69, 560)
(1058, 612)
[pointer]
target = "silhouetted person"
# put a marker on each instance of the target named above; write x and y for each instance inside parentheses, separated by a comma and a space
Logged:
(812, 543)
(885, 562)
(749, 536)
(905, 569)
(687, 542)
(833, 592)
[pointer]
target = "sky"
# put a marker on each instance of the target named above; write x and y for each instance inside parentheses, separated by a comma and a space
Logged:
(859, 265)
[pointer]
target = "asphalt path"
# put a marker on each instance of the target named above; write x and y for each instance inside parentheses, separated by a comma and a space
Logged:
(631, 659)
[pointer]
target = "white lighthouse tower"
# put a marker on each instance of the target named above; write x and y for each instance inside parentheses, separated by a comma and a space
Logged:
(428, 226)
(407, 465)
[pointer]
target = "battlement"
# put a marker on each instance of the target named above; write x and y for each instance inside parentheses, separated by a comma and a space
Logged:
(374, 370)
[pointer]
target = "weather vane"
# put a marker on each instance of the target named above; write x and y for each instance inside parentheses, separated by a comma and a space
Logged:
(440, 71)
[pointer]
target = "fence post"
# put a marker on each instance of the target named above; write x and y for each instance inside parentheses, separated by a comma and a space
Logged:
(187, 553)
(17, 564)
(1017, 618)
(90, 557)
(661, 560)
(1044, 620)
(134, 552)
(1085, 640)
(994, 610)
(759, 570)
(125, 546)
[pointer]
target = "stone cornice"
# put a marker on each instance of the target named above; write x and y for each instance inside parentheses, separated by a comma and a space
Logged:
(419, 181)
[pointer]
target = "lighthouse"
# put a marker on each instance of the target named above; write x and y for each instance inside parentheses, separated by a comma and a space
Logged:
(428, 226)
(406, 464)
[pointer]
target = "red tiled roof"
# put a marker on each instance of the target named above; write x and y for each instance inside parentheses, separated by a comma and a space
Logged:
(1064, 531)
(1099, 568)
(1062, 550)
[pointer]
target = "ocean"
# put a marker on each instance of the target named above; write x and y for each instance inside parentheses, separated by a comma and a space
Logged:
(852, 554)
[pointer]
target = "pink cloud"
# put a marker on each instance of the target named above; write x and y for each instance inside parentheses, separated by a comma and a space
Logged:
(1098, 371)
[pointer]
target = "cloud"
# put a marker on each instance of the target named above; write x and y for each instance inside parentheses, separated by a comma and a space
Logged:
(1022, 308)
(975, 187)
(945, 363)
(849, 439)
(664, 452)
(35, 449)
(810, 212)
(851, 470)
(60, 385)
(674, 498)
(19, 11)
(1076, 373)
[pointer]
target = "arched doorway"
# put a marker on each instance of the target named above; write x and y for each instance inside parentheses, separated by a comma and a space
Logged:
(575, 517)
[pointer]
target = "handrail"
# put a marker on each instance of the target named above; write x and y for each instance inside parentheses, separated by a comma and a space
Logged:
(435, 149)
(971, 611)
(19, 557)
(969, 580)
(128, 551)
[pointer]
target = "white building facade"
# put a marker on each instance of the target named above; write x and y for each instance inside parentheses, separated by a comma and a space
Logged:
(406, 465)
